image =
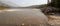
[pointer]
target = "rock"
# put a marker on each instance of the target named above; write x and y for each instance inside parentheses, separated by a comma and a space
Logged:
(55, 20)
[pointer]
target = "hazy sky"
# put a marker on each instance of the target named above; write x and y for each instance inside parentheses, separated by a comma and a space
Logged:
(24, 3)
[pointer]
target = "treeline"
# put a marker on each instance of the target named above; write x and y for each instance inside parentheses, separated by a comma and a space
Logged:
(56, 4)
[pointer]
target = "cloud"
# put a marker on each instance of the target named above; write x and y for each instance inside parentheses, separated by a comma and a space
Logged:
(24, 3)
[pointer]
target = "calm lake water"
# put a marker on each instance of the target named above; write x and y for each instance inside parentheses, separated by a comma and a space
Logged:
(22, 17)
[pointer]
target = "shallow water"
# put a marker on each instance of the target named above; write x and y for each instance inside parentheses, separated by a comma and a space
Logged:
(17, 17)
